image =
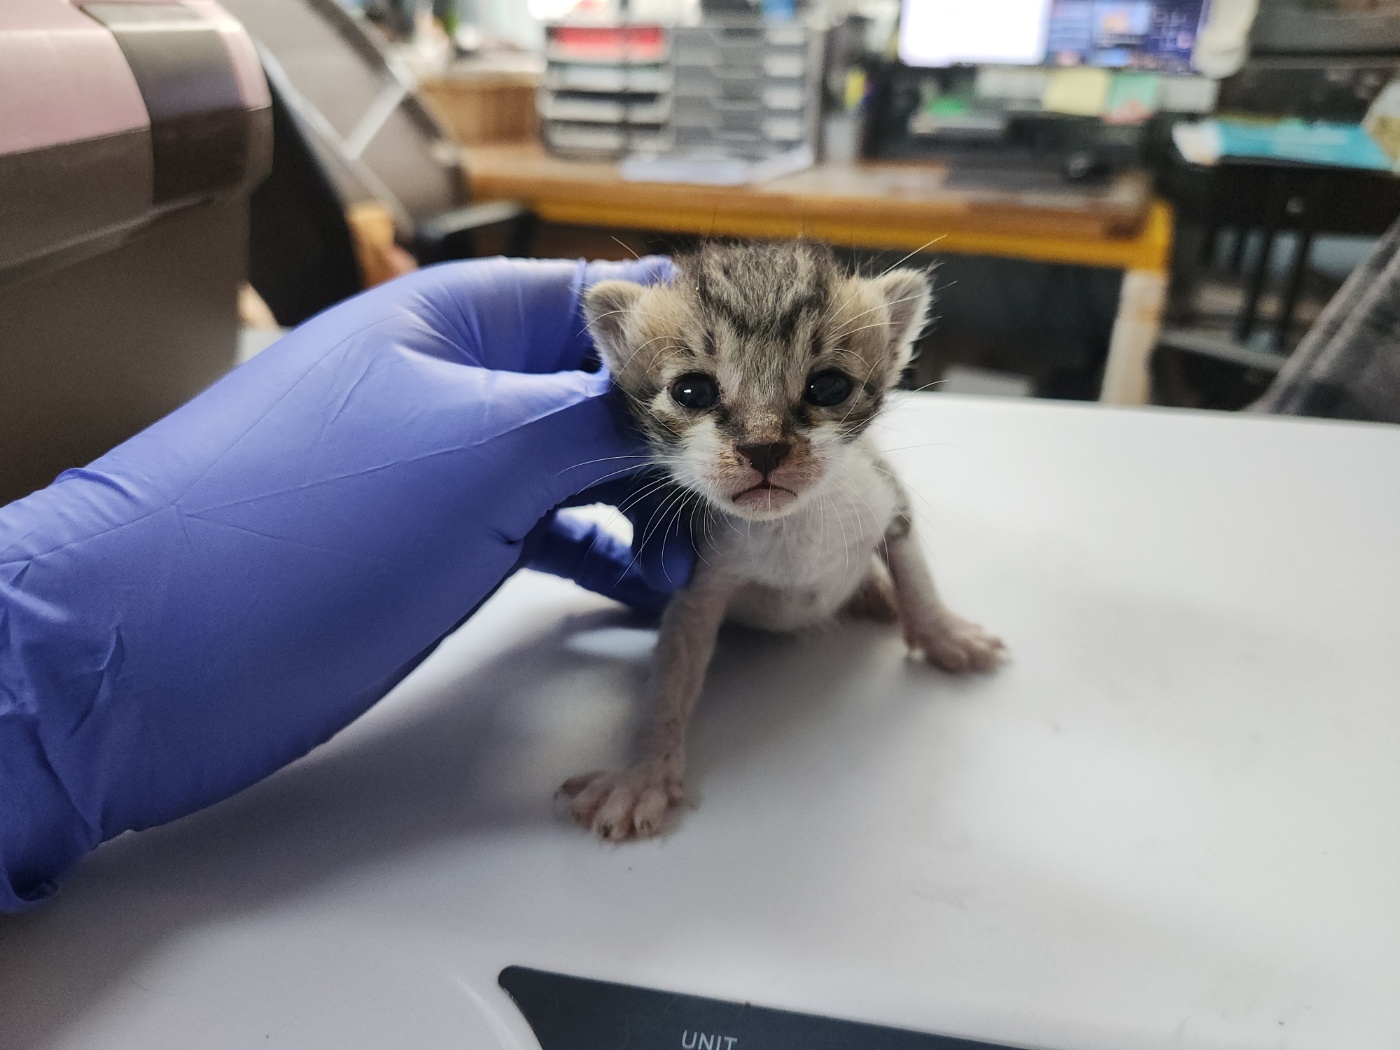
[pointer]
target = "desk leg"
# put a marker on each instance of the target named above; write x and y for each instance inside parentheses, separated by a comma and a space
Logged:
(1127, 379)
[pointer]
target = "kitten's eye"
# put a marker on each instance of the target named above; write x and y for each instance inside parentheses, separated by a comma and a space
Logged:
(827, 389)
(695, 391)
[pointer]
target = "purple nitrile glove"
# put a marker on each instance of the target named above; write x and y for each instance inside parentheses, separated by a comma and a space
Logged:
(232, 586)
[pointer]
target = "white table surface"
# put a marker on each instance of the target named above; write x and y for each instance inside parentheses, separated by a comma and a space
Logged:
(1172, 821)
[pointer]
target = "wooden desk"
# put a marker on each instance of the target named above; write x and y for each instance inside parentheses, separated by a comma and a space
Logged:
(880, 205)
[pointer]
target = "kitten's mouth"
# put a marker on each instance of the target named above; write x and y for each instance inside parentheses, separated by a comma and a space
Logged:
(764, 496)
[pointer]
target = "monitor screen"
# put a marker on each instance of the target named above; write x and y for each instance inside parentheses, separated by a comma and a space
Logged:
(1129, 34)
(981, 32)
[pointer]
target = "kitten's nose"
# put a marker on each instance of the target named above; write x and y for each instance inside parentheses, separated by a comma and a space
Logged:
(764, 458)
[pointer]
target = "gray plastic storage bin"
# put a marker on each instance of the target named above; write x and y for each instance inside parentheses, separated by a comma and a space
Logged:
(745, 87)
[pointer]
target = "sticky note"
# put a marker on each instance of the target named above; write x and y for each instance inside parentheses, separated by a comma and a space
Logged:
(1132, 98)
(855, 89)
(1079, 90)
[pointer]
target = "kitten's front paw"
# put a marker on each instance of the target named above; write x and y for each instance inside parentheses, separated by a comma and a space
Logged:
(619, 806)
(957, 645)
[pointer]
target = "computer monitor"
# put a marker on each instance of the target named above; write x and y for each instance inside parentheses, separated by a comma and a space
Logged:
(1128, 34)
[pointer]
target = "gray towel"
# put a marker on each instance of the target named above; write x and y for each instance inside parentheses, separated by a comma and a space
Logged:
(1348, 365)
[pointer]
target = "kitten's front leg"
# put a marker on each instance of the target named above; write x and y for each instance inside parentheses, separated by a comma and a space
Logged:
(930, 627)
(632, 804)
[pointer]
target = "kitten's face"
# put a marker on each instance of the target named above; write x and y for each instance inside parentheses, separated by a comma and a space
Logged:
(754, 371)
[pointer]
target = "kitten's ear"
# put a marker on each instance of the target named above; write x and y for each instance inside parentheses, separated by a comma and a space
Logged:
(907, 295)
(607, 307)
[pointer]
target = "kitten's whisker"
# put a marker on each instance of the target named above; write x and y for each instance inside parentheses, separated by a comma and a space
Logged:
(618, 473)
(822, 500)
(619, 513)
(632, 356)
(843, 331)
(699, 552)
(893, 302)
(646, 537)
(665, 426)
(929, 517)
(927, 444)
(854, 492)
(601, 459)
(864, 328)
(916, 251)
(594, 320)
(844, 353)
(852, 407)
(654, 339)
(635, 498)
(647, 489)
(667, 535)
(628, 247)
(845, 538)
(635, 501)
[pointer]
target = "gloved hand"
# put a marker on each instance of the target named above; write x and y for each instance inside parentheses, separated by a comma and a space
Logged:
(229, 588)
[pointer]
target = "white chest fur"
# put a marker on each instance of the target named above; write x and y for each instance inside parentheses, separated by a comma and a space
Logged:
(801, 568)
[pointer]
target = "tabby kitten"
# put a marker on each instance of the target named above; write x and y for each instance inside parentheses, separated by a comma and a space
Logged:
(754, 376)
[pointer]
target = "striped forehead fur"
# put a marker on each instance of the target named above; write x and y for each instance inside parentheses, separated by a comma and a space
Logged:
(763, 291)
